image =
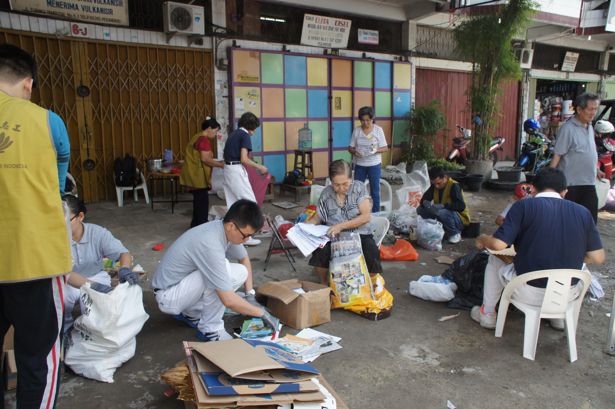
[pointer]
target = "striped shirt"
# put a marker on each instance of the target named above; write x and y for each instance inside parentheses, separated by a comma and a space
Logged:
(330, 213)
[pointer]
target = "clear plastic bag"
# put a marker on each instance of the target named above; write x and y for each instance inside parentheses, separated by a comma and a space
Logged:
(433, 288)
(404, 219)
(429, 234)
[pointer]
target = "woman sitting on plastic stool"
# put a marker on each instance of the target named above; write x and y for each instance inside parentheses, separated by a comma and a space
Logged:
(344, 205)
(366, 145)
(89, 245)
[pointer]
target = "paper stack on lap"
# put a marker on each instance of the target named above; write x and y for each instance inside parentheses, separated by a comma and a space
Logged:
(308, 237)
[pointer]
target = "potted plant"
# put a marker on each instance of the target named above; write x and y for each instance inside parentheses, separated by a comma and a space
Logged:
(425, 121)
(486, 41)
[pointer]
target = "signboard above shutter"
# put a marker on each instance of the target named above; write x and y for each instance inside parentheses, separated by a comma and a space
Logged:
(91, 11)
(327, 32)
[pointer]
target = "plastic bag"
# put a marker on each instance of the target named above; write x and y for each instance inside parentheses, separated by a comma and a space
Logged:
(348, 275)
(402, 250)
(409, 195)
(404, 219)
(433, 288)
(217, 180)
(468, 272)
(419, 177)
(602, 191)
(380, 307)
(429, 234)
(259, 183)
(610, 199)
(103, 337)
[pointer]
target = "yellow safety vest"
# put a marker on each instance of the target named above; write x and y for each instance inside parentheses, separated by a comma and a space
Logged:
(34, 242)
(444, 198)
(194, 172)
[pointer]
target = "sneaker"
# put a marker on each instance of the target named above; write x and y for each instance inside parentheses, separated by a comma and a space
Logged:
(485, 320)
(557, 324)
(455, 238)
(252, 242)
(220, 335)
(191, 322)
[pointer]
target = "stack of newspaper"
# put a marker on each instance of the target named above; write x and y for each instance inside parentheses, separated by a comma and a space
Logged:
(308, 237)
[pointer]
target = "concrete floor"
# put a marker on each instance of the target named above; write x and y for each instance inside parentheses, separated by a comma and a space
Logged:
(407, 361)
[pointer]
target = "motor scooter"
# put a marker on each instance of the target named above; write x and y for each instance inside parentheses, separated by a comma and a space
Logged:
(459, 152)
(606, 153)
(536, 153)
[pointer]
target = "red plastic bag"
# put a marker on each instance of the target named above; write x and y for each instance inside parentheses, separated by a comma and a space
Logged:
(402, 250)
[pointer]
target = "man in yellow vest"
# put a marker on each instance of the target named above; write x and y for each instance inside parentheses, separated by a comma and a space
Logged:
(444, 201)
(34, 241)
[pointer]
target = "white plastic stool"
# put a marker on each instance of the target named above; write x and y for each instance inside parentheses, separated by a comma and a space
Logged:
(119, 190)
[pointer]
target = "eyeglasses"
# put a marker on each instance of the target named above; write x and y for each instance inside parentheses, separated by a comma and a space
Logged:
(245, 236)
(72, 218)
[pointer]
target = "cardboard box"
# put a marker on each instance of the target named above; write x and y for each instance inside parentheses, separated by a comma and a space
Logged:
(308, 307)
(195, 362)
(219, 383)
(255, 360)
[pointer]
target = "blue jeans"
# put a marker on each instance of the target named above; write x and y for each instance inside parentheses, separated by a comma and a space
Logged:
(451, 222)
(373, 174)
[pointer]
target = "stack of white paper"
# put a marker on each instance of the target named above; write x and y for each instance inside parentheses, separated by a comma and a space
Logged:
(308, 237)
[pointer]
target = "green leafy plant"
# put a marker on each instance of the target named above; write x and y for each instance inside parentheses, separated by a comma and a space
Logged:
(486, 41)
(425, 121)
(444, 164)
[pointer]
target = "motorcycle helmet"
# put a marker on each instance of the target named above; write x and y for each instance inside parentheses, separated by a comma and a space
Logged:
(523, 190)
(603, 127)
(531, 126)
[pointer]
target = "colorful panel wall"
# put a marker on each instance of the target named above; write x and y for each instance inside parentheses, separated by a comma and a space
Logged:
(287, 90)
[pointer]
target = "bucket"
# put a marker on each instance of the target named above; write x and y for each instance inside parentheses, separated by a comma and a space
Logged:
(473, 182)
(457, 176)
(472, 230)
(509, 174)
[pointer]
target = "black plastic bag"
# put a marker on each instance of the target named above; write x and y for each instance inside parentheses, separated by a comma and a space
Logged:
(468, 272)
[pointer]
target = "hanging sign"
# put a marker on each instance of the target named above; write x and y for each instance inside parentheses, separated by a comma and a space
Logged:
(93, 11)
(570, 61)
(368, 36)
(322, 31)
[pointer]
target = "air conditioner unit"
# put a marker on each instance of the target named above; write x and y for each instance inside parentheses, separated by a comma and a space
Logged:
(525, 58)
(183, 18)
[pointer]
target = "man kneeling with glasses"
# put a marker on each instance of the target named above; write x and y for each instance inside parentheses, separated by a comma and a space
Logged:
(195, 281)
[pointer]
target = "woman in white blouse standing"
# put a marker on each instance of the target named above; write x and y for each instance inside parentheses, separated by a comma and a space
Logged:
(366, 145)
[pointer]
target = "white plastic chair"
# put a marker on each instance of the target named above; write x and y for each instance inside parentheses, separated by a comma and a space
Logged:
(380, 227)
(315, 192)
(119, 190)
(386, 195)
(555, 305)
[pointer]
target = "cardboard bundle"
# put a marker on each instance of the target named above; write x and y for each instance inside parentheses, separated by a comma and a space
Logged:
(249, 373)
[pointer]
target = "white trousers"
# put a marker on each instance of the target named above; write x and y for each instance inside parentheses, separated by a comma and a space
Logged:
(237, 185)
(498, 274)
(71, 296)
(196, 297)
